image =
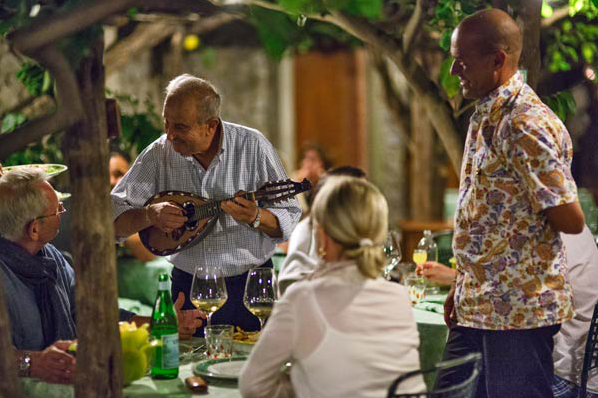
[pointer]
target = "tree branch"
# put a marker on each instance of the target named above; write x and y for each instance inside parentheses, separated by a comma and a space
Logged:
(63, 23)
(69, 108)
(413, 25)
(399, 111)
(556, 16)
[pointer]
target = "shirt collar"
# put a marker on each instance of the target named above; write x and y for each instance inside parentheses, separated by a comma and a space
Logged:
(500, 94)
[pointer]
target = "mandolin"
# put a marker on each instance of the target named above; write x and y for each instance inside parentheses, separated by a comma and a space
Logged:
(202, 214)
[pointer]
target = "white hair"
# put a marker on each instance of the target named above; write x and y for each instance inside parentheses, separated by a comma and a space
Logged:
(21, 200)
(202, 92)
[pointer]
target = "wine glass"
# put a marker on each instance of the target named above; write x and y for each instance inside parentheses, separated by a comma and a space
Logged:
(260, 293)
(208, 290)
(392, 250)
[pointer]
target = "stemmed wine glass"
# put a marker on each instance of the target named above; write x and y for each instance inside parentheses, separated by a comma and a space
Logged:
(260, 293)
(208, 290)
(392, 250)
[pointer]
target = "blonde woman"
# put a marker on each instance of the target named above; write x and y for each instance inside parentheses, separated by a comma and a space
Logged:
(346, 331)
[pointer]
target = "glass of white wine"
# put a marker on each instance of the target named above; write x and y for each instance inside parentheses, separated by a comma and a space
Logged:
(208, 290)
(392, 250)
(420, 256)
(260, 293)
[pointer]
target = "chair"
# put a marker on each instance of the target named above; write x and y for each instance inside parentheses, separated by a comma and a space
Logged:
(465, 389)
(590, 359)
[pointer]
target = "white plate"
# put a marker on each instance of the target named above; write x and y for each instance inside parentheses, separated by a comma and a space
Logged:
(50, 169)
(221, 369)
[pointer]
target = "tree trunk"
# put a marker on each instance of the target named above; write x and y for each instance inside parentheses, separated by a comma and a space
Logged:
(85, 147)
(9, 385)
(421, 164)
(528, 16)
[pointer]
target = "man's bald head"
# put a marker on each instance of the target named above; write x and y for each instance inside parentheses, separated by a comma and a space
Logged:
(493, 30)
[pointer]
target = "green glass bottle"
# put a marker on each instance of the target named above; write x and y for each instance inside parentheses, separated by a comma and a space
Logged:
(164, 328)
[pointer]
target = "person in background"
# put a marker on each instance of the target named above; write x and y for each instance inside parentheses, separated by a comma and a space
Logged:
(118, 167)
(314, 163)
(570, 342)
(202, 154)
(347, 331)
(516, 194)
(38, 283)
(302, 259)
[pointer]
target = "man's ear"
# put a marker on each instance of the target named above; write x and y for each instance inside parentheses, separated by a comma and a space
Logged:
(33, 230)
(500, 59)
(213, 126)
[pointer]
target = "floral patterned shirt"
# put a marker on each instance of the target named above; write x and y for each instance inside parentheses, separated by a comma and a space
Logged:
(510, 262)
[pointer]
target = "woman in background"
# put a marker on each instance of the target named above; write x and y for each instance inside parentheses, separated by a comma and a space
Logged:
(347, 331)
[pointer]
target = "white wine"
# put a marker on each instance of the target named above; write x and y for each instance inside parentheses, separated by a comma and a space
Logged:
(261, 310)
(209, 305)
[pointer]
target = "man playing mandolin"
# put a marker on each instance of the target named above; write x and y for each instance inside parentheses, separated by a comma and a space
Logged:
(206, 156)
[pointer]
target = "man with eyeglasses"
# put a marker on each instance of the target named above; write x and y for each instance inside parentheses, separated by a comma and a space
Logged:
(38, 283)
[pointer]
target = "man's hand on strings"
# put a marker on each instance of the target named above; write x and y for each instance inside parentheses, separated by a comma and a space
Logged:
(241, 209)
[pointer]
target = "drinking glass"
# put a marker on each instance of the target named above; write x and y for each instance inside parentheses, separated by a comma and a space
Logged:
(260, 293)
(208, 290)
(219, 341)
(416, 287)
(420, 256)
(392, 250)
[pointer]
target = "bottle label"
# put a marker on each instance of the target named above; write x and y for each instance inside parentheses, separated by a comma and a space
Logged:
(163, 285)
(170, 351)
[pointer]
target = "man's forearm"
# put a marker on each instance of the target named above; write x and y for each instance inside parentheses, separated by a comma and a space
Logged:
(269, 224)
(131, 221)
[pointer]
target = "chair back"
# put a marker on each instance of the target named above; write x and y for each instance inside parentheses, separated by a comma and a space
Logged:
(590, 359)
(464, 389)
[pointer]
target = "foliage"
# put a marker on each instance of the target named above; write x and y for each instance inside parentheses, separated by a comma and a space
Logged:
(561, 103)
(574, 39)
(139, 127)
(36, 79)
(45, 151)
(279, 32)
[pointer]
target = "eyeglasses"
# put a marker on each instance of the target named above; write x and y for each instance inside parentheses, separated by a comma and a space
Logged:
(61, 210)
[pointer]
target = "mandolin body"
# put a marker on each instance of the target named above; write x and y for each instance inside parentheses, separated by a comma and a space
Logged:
(161, 243)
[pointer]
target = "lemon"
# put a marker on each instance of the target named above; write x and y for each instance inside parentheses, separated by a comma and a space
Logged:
(191, 42)
(134, 365)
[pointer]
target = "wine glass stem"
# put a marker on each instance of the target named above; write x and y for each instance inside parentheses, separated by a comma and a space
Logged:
(262, 320)
(209, 319)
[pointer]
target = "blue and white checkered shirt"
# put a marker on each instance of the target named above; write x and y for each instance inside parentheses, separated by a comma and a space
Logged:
(246, 161)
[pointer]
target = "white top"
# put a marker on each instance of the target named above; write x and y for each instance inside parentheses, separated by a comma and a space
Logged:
(570, 342)
(346, 336)
(302, 258)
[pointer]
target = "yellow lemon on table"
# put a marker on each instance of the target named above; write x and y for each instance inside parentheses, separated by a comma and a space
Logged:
(191, 42)
(134, 365)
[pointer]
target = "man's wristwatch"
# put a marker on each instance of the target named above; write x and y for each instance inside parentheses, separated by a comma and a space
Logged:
(256, 223)
(25, 364)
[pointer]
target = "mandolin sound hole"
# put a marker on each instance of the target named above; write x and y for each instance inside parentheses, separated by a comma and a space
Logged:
(189, 208)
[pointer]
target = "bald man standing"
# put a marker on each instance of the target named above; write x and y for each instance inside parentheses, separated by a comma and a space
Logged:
(516, 194)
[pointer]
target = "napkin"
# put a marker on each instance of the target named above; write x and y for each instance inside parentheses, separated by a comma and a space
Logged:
(432, 307)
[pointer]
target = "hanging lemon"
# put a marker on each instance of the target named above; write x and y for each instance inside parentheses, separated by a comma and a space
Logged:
(191, 42)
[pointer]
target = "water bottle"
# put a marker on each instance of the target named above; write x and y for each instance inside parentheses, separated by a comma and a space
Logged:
(165, 330)
(428, 245)
(427, 249)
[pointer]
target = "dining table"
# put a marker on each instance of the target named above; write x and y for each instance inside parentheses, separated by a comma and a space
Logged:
(428, 316)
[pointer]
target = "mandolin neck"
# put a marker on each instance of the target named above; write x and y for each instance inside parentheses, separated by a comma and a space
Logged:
(212, 208)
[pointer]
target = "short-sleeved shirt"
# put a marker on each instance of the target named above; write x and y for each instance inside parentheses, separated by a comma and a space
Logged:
(246, 161)
(511, 264)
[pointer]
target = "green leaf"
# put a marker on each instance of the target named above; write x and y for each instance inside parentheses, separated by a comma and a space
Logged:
(587, 51)
(546, 10)
(302, 6)
(11, 121)
(445, 40)
(371, 9)
(595, 2)
(449, 83)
